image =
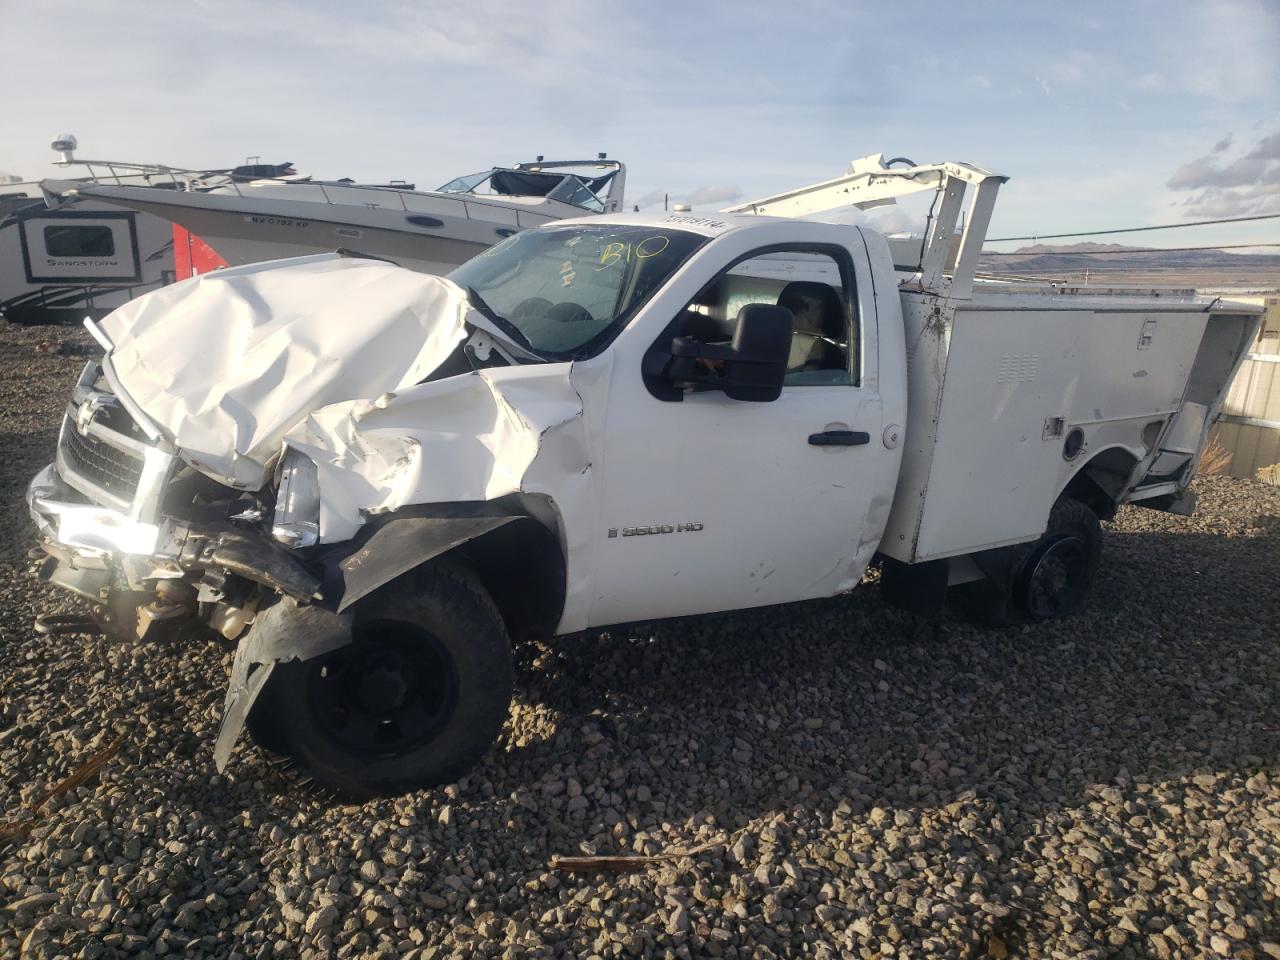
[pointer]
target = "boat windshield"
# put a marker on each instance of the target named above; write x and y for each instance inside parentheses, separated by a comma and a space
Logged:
(576, 191)
(465, 184)
(565, 292)
(585, 192)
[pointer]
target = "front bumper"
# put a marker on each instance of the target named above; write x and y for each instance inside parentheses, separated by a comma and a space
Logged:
(90, 542)
(83, 537)
(109, 557)
(87, 528)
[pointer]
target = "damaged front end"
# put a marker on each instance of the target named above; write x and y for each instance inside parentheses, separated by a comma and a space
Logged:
(342, 671)
(148, 540)
(369, 511)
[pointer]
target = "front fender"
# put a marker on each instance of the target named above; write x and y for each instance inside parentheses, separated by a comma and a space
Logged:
(394, 548)
(282, 632)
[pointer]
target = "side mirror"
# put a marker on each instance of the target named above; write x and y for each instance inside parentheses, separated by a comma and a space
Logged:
(751, 367)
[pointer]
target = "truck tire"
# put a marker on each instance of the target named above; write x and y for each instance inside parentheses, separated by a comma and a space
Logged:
(1048, 578)
(416, 700)
(1058, 569)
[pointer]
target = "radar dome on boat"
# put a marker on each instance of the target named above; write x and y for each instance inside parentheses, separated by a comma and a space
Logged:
(65, 144)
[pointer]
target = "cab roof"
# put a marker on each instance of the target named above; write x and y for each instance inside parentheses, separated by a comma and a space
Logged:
(708, 224)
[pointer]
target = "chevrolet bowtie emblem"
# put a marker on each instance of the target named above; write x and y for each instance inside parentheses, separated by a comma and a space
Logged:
(89, 409)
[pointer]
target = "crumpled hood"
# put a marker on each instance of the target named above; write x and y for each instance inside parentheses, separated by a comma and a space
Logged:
(226, 363)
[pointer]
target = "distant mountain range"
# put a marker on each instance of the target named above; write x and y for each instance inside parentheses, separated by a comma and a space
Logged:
(1075, 258)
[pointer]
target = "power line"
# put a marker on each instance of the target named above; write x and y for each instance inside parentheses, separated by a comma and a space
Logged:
(1163, 226)
(1118, 253)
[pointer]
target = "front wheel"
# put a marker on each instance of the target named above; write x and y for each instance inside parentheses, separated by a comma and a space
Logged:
(415, 700)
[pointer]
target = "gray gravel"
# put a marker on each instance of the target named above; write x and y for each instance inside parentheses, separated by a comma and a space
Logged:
(872, 784)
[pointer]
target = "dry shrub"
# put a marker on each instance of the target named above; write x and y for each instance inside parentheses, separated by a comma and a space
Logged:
(1270, 474)
(1215, 459)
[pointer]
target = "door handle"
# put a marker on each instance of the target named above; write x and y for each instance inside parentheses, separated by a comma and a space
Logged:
(839, 438)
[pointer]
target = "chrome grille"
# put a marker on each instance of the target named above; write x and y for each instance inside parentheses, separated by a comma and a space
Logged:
(99, 463)
(108, 457)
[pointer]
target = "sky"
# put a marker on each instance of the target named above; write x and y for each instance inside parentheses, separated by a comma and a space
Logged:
(1102, 114)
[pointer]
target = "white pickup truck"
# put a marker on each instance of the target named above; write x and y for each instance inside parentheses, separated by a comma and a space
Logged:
(374, 479)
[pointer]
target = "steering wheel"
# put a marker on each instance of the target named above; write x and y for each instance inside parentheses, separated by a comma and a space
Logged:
(531, 309)
(570, 312)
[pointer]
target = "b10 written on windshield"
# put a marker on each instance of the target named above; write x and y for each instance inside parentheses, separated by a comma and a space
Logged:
(623, 251)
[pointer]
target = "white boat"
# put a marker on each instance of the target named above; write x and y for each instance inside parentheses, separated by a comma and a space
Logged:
(86, 257)
(428, 231)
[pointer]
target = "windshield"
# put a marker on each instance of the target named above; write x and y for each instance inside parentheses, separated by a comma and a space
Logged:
(574, 190)
(465, 184)
(585, 192)
(567, 290)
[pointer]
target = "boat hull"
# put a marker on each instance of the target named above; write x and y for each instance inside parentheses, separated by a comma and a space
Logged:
(426, 233)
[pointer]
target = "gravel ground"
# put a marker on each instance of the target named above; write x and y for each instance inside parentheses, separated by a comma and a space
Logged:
(868, 783)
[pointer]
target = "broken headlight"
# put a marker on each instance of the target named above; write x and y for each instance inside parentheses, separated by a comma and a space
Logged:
(296, 522)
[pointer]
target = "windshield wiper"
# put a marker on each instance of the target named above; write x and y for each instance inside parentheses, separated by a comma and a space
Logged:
(503, 328)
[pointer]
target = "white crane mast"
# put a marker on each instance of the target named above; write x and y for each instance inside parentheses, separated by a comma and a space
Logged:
(871, 182)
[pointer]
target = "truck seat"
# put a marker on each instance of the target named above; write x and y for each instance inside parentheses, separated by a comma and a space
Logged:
(818, 340)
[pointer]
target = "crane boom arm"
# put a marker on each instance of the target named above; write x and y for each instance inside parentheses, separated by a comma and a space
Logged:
(870, 182)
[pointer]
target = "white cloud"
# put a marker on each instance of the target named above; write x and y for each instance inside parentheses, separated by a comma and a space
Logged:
(474, 33)
(1234, 43)
(708, 195)
(698, 198)
(1246, 185)
(649, 199)
(891, 220)
(1073, 67)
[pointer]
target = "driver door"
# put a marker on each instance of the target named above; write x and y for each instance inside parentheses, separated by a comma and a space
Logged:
(715, 504)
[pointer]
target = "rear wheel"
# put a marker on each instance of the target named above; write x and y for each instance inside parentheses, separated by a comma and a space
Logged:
(1055, 575)
(1049, 577)
(415, 700)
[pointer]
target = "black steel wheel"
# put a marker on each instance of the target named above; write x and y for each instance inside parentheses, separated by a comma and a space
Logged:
(392, 690)
(1058, 569)
(415, 700)
(1042, 580)
(1057, 579)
